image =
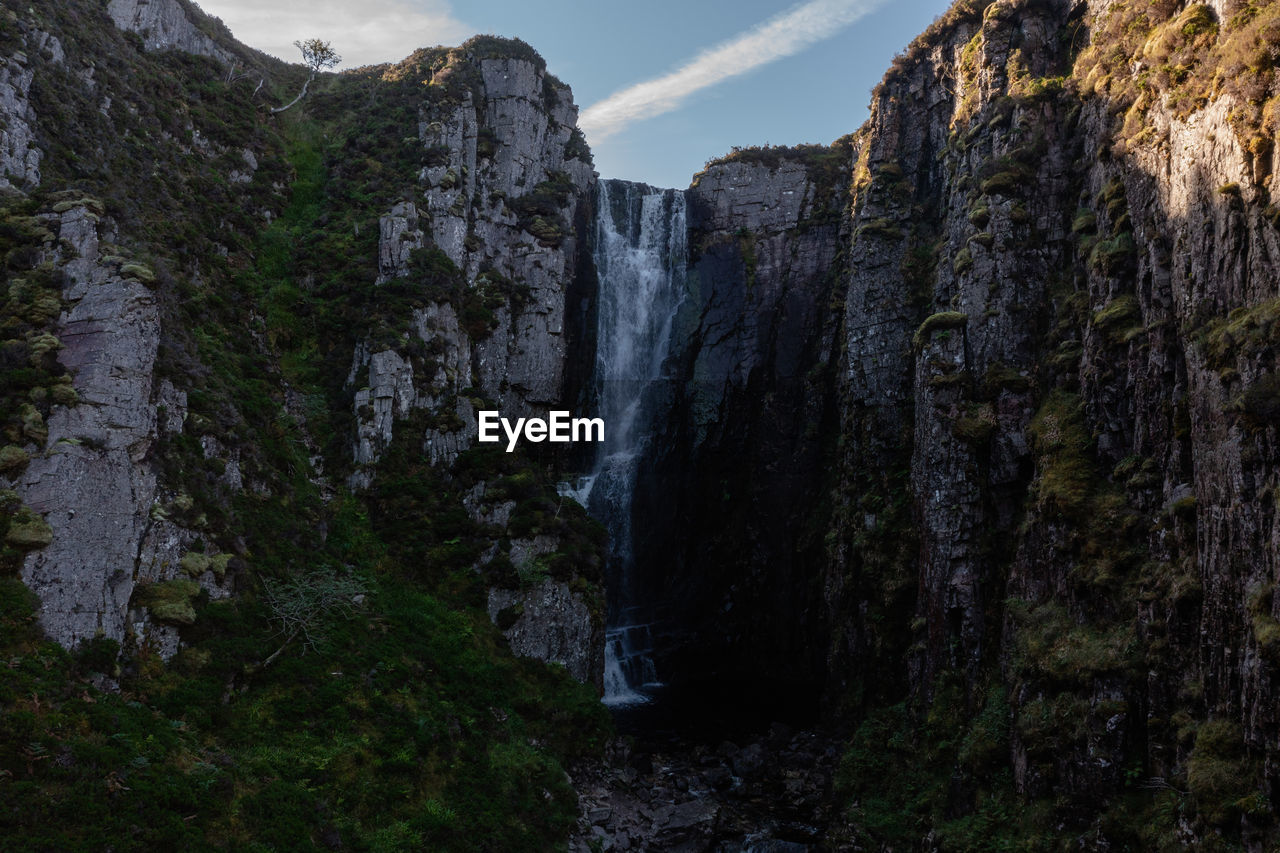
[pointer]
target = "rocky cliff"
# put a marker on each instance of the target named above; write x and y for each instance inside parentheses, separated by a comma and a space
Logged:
(1048, 553)
(1095, 197)
(728, 543)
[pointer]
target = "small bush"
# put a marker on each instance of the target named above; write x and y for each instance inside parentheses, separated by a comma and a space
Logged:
(1220, 774)
(170, 601)
(13, 459)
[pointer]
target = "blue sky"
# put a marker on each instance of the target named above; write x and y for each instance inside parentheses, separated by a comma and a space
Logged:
(831, 53)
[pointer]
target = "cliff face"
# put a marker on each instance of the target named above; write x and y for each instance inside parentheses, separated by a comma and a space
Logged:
(1051, 528)
(500, 196)
(1074, 257)
(728, 522)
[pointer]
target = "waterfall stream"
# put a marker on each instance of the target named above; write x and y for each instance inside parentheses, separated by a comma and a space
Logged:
(640, 260)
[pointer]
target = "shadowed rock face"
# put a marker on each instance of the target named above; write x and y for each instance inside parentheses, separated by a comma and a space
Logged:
(727, 508)
(1037, 346)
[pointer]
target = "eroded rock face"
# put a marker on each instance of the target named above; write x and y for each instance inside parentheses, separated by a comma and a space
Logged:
(502, 198)
(93, 484)
(19, 156)
(551, 623)
(165, 25)
(1034, 292)
(490, 160)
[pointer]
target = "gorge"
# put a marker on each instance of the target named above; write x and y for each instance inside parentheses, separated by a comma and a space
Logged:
(957, 438)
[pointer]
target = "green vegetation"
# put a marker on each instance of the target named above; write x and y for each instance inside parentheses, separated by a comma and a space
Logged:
(1223, 778)
(1066, 474)
(1241, 335)
(939, 770)
(1189, 58)
(1117, 319)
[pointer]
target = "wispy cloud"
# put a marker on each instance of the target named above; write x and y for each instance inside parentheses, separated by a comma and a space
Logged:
(784, 35)
(363, 33)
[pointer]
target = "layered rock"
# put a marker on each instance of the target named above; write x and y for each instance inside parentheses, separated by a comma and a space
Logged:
(504, 188)
(19, 155)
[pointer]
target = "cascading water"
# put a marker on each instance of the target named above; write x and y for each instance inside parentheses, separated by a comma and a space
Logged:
(640, 260)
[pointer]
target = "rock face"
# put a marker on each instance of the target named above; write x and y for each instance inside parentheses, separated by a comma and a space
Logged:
(1067, 389)
(720, 528)
(502, 200)
(166, 25)
(552, 623)
(92, 484)
(19, 157)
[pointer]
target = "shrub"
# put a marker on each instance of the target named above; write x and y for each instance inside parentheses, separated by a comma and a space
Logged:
(170, 601)
(13, 459)
(1261, 400)
(1117, 317)
(1065, 471)
(1220, 773)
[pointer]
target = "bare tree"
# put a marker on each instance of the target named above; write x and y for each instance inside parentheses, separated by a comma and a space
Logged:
(303, 604)
(317, 54)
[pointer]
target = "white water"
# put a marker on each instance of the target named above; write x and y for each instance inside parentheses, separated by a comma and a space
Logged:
(640, 261)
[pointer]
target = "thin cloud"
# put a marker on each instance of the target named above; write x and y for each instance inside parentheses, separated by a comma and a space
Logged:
(781, 36)
(363, 33)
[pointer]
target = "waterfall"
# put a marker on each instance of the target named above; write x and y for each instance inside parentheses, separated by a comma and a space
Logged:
(640, 262)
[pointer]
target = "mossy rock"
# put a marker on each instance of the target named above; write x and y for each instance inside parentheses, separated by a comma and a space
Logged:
(33, 426)
(28, 531)
(92, 204)
(883, 227)
(195, 564)
(64, 395)
(1086, 222)
(170, 601)
(13, 459)
(1003, 183)
(977, 425)
(1117, 320)
(938, 322)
